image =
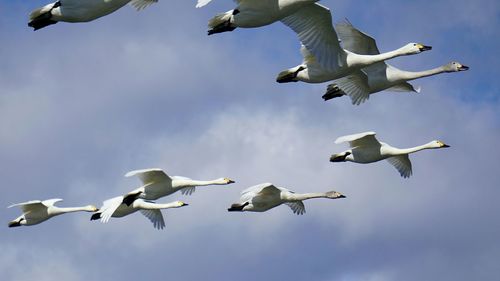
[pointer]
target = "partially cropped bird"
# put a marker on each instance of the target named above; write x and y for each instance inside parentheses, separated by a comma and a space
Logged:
(323, 57)
(114, 207)
(36, 211)
(365, 148)
(253, 13)
(265, 196)
(79, 11)
(376, 77)
(156, 184)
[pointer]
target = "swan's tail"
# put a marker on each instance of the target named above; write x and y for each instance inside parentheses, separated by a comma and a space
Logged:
(42, 17)
(221, 23)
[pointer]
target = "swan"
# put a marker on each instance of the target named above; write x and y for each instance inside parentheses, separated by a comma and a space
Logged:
(365, 148)
(156, 184)
(265, 196)
(379, 76)
(36, 211)
(79, 11)
(253, 13)
(114, 207)
(323, 57)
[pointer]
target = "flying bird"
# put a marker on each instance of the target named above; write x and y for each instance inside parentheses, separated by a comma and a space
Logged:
(323, 57)
(262, 197)
(253, 13)
(115, 207)
(79, 11)
(36, 211)
(379, 76)
(365, 148)
(157, 184)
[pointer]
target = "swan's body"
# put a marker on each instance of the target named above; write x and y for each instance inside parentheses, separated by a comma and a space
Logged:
(379, 76)
(79, 10)
(115, 207)
(323, 57)
(36, 211)
(262, 197)
(365, 148)
(253, 13)
(157, 184)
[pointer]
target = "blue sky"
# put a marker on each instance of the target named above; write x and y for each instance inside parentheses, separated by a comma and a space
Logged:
(82, 104)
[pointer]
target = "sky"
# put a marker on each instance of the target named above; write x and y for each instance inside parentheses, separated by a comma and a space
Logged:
(82, 104)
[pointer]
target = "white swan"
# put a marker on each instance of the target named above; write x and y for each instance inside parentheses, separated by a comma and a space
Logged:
(156, 184)
(253, 13)
(265, 196)
(323, 57)
(365, 148)
(115, 208)
(79, 10)
(379, 76)
(36, 211)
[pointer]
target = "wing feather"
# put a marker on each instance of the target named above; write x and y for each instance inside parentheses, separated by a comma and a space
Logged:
(155, 216)
(313, 25)
(402, 163)
(149, 175)
(361, 139)
(297, 207)
(141, 4)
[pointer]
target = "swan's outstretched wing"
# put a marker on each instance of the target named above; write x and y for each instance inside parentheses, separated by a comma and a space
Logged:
(402, 163)
(297, 207)
(30, 206)
(141, 4)
(263, 189)
(361, 139)
(358, 42)
(188, 190)
(109, 207)
(355, 40)
(202, 3)
(148, 176)
(355, 86)
(155, 217)
(313, 25)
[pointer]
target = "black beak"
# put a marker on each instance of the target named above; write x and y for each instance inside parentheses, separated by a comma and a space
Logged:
(445, 145)
(231, 181)
(342, 196)
(425, 48)
(463, 68)
(185, 204)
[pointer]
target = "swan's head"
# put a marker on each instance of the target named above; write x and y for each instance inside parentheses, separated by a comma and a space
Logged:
(455, 67)
(438, 144)
(91, 208)
(180, 204)
(340, 157)
(290, 75)
(335, 195)
(416, 48)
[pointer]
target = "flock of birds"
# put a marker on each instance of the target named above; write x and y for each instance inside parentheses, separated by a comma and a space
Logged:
(342, 55)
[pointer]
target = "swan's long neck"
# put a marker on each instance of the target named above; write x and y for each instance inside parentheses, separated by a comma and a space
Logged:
(356, 60)
(288, 196)
(410, 75)
(413, 149)
(141, 204)
(180, 183)
(58, 210)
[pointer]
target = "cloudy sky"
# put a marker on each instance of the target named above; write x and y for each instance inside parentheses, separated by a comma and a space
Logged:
(82, 104)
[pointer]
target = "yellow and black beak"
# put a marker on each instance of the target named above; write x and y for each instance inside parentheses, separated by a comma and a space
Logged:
(463, 68)
(423, 48)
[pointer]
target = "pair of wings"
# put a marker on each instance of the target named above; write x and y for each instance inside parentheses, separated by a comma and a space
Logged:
(109, 207)
(268, 189)
(156, 175)
(401, 162)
